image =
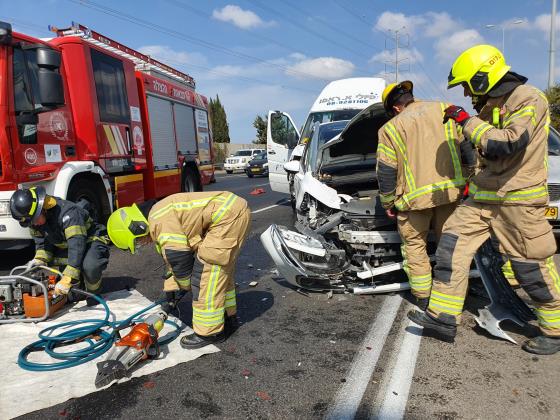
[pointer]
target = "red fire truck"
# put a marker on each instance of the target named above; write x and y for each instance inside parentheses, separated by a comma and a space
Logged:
(89, 118)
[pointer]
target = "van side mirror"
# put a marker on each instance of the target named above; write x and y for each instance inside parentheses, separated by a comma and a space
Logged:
(5, 33)
(292, 166)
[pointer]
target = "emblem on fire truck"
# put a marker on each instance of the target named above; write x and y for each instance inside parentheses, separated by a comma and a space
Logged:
(138, 139)
(59, 127)
(30, 156)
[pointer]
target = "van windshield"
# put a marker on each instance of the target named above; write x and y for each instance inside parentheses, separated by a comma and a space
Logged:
(326, 116)
(243, 153)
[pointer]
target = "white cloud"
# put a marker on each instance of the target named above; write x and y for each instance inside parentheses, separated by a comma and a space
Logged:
(387, 56)
(174, 58)
(542, 23)
(449, 47)
(394, 21)
(328, 68)
(439, 24)
(244, 19)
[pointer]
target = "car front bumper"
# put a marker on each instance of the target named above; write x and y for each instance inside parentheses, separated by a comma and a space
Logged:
(234, 166)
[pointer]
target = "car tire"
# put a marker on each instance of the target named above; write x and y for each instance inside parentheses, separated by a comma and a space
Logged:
(229, 172)
(249, 174)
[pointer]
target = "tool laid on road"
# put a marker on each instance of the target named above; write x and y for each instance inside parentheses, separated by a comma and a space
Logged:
(140, 343)
(27, 295)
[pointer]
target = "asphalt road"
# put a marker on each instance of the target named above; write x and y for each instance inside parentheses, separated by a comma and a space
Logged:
(307, 356)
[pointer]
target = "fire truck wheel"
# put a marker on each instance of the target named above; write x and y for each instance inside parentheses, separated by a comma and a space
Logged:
(229, 172)
(83, 189)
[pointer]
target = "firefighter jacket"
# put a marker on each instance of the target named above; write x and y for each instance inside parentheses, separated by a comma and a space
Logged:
(68, 227)
(182, 224)
(511, 134)
(419, 159)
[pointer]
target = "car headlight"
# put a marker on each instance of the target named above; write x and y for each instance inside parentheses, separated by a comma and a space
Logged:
(5, 208)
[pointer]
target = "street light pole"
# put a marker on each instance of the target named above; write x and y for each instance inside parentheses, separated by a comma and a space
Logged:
(503, 28)
(552, 42)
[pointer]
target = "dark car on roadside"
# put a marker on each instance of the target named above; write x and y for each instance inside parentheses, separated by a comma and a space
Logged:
(257, 166)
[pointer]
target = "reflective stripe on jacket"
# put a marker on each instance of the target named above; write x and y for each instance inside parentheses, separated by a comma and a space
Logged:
(67, 226)
(180, 222)
(511, 134)
(418, 159)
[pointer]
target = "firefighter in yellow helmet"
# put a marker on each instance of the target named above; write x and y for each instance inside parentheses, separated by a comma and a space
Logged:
(420, 174)
(199, 236)
(507, 197)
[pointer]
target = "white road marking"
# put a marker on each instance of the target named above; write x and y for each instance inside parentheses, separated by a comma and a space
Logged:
(269, 207)
(349, 396)
(402, 371)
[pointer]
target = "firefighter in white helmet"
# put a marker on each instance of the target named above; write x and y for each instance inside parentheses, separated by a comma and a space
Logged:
(508, 196)
(199, 236)
(420, 169)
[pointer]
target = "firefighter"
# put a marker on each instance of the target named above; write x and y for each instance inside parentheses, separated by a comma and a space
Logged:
(199, 236)
(64, 236)
(420, 173)
(507, 197)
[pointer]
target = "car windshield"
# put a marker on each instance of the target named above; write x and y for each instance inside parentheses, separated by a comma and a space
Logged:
(326, 116)
(553, 143)
(324, 133)
(243, 153)
(260, 156)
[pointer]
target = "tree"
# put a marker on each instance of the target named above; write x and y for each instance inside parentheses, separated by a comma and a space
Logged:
(553, 95)
(220, 128)
(260, 124)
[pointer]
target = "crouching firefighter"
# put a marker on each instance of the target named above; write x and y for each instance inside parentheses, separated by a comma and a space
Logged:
(420, 165)
(199, 236)
(65, 236)
(507, 197)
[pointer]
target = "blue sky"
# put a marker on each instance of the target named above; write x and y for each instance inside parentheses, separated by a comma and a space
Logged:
(259, 55)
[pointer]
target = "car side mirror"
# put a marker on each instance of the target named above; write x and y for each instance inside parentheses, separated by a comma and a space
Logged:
(292, 166)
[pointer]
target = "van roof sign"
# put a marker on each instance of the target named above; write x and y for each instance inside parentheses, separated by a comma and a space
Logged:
(357, 92)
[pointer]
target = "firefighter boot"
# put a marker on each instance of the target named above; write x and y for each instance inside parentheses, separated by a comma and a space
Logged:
(231, 325)
(542, 345)
(447, 331)
(422, 303)
(195, 341)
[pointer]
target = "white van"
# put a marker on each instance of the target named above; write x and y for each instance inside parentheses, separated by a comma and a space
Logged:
(339, 100)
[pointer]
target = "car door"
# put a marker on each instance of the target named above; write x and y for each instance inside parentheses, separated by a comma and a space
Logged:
(281, 137)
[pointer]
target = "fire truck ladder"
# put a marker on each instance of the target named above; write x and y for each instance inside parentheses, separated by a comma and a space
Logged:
(143, 62)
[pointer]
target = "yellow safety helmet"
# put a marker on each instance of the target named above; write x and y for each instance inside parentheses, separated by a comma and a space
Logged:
(480, 67)
(393, 91)
(125, 225)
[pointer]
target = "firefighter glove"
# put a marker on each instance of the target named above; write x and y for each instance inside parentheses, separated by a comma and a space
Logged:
(456, 113)
(63, 286)
(468, 156)
(34, 263)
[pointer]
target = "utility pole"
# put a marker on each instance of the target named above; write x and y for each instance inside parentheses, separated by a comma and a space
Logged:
(552, 46)
(397, 39)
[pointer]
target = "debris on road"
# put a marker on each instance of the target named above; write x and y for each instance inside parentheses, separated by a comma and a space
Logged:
(301, 292)
(263, 396)
(257, 191)
(249, 265)
(253, 283)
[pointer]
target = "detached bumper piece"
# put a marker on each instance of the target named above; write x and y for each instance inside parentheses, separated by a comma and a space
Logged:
(505, 304)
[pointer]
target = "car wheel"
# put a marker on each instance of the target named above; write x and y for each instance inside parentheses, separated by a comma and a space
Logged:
(229, 172)
(250, 175)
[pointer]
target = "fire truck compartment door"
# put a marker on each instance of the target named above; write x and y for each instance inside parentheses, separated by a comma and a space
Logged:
(184, 129)
(162, 132)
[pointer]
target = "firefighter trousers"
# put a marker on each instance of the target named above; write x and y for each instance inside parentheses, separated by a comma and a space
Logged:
(526, 239)
(94, 263)
(414, 226)
(213, 280)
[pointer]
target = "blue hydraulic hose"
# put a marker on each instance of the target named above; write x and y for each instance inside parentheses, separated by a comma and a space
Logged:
(49, 341)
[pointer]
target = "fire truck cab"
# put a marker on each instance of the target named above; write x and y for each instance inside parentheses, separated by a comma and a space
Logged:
(89, 118)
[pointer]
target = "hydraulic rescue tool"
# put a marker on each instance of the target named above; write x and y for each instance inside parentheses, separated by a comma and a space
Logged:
(140, 343)
(28, 296)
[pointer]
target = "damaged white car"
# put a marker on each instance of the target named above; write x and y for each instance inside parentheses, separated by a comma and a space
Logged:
(344, 240)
